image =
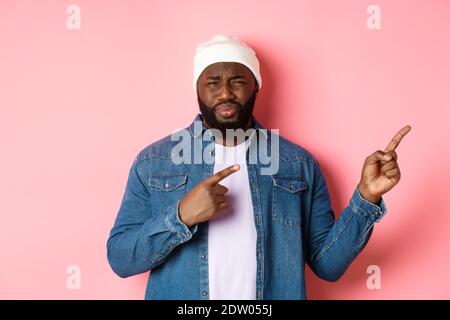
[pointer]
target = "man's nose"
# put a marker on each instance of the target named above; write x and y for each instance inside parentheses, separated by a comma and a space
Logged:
(226, 93)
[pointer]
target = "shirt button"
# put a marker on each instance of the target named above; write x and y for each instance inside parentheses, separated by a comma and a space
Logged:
(203, 256)
(291, 186)
(205, 293)
(166, 185)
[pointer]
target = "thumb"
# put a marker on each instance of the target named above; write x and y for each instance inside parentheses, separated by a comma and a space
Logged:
(378, 156)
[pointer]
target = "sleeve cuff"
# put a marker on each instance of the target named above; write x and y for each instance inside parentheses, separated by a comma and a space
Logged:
(366, 208)
(177, 226)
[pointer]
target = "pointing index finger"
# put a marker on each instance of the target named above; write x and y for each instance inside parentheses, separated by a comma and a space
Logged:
(219, 176)
(397, 138)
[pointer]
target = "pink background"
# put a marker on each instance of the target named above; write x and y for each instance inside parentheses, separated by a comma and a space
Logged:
(77, 105)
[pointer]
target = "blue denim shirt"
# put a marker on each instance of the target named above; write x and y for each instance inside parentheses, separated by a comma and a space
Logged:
(292, 212)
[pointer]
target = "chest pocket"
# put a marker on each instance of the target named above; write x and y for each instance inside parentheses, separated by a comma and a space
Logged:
(167, 181)
(286, 199)
(167, 188)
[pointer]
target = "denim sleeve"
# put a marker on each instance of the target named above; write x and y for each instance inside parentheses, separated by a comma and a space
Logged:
(142, 237)
(333, 245)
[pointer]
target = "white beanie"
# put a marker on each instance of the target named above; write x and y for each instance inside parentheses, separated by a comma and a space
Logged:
(225, 48)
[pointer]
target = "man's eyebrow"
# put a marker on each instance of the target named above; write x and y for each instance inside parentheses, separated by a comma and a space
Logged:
(213, 78)
(236, 76)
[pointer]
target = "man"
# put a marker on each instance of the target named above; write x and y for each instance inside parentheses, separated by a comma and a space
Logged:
(223, 228)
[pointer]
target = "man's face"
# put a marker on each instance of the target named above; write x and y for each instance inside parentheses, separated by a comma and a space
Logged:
(226, 95)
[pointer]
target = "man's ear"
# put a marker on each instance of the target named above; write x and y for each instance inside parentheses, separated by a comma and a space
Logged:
(256, 83)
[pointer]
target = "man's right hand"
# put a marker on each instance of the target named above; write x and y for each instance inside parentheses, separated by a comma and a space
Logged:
(206, 199)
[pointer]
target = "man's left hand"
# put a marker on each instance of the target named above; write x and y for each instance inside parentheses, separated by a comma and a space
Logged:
(380, 172)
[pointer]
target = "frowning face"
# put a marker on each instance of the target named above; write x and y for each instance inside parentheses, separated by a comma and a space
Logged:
(226, 94)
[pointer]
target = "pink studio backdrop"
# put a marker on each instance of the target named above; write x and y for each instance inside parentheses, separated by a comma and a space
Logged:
(77, 105)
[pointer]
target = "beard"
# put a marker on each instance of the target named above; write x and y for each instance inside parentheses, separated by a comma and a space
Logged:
(244, 114)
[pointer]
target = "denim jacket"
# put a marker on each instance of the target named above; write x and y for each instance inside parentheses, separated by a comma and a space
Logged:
(292, 212)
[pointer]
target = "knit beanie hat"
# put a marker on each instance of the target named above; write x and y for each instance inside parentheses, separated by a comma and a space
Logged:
(225, 48)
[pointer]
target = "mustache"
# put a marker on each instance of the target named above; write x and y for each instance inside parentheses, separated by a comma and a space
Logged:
(236, 104)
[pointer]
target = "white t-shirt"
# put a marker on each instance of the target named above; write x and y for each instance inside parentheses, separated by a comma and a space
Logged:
(232, 236)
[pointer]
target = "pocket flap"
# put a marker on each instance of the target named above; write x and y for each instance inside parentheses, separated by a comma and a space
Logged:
(289, 183)
(167, 181)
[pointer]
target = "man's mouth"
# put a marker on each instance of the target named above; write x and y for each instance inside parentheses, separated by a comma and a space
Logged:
(226, 111)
